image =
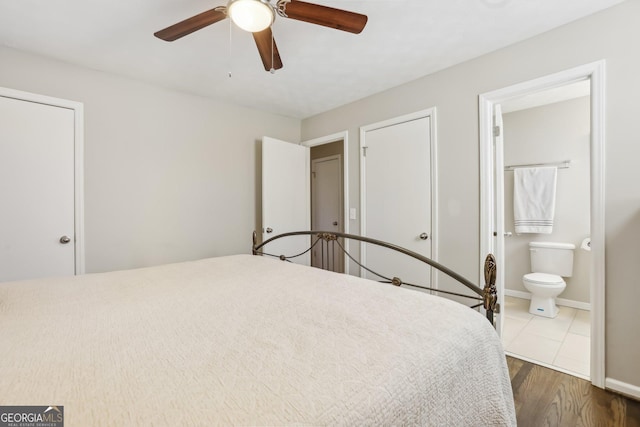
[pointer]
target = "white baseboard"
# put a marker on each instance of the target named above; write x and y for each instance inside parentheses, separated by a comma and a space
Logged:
(622, 388)
(560, 301)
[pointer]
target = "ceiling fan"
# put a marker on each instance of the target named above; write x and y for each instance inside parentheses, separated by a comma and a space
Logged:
(256, 16)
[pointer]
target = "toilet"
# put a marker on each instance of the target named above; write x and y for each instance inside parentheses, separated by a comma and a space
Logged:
(550, 262)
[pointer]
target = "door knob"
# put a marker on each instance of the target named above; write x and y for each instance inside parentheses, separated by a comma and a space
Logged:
(65, 239)
(269, 230)
(424, 236)
(335, 222)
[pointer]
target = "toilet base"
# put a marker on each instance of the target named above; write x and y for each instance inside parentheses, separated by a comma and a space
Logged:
(545, 307)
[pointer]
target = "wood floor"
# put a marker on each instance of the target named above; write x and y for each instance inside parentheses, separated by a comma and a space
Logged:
(544, 397)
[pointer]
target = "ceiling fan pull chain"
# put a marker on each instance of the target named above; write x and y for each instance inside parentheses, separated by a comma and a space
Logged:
(230, 48)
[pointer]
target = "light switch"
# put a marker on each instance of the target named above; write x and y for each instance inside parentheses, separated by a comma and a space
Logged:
(352, 213)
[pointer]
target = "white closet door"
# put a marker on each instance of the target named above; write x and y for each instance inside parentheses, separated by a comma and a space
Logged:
(37, 190)
(397, 197)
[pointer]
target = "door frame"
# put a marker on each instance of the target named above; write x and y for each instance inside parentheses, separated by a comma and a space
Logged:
(431, 114)
(78, 118)
(491, 162)
(328, 139)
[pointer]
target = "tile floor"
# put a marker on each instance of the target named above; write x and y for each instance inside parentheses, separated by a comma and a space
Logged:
(563, 343)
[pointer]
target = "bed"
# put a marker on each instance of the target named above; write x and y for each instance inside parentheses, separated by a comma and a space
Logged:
(248, 340)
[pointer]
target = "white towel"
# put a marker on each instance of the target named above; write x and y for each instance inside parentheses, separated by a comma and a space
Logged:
(534, 199)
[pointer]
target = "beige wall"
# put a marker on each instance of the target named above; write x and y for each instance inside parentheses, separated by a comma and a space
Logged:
(611, 35)
(551, 133)
(168, 176)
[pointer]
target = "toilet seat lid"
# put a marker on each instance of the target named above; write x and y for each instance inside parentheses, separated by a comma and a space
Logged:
(544, 278)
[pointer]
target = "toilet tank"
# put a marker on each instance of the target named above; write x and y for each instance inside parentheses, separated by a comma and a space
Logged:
(552, 258)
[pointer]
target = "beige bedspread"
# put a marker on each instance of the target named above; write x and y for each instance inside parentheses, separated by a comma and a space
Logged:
(246, 340)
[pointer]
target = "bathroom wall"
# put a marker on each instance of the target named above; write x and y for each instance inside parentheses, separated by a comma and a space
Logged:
(551, 133)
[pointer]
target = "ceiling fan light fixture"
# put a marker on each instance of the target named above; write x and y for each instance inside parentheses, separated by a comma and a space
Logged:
(251, 15)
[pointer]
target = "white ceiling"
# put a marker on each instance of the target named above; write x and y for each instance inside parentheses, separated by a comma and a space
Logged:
(323, 68)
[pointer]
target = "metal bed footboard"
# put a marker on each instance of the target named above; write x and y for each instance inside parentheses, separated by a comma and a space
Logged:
(329, 242)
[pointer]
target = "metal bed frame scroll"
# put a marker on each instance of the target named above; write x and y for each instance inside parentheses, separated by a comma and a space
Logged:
(330, 242)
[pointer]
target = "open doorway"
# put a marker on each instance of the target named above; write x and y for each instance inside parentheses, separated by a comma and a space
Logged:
(493, 224)
(285, 193)
(549, 131)
(330, 192)
(327, 200)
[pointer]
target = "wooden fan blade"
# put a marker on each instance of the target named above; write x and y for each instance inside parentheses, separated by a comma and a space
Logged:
(268, 49)
(190, 25)
(326, 16)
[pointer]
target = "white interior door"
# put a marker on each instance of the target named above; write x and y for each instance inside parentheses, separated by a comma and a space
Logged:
(37, 190)
(326, 194)
(499, 217)
(285, 196)
(396, 191)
